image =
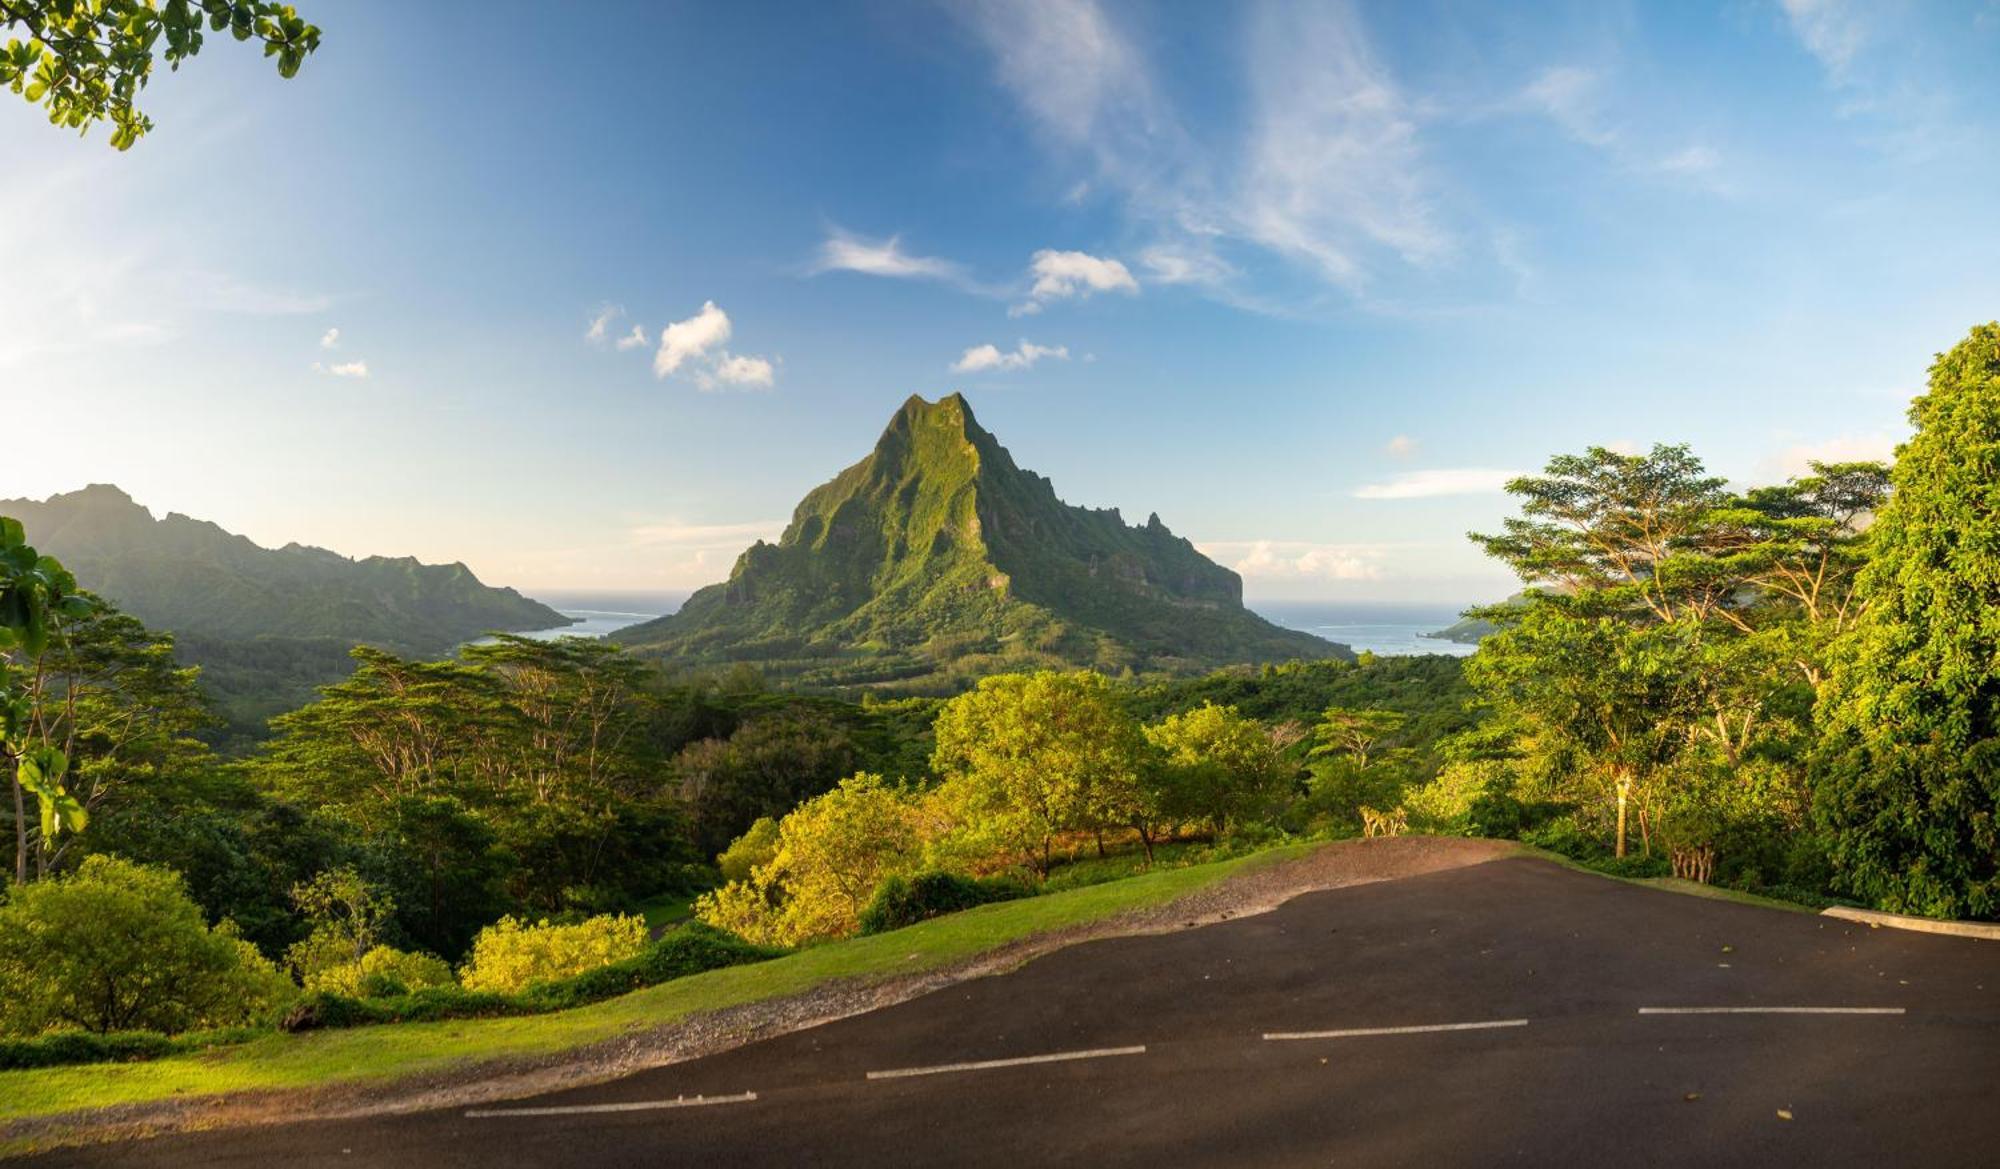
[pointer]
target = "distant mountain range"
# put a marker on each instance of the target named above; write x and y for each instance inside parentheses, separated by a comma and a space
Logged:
(266, 624)
(936, 558)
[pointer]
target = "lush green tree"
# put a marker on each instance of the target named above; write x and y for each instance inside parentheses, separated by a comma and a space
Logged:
(348, 915)
(752, 850)
(831, 854)
(85, 61)
(37, 595)
(1356, 735)
(1908, 777)
(118, 946)
(776, 758)
(108, 696)
(1665, 655)
(1025, 757)
(1216, 766)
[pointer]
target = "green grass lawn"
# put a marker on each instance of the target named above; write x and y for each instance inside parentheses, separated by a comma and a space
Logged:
(383, 1053)
(667, 909)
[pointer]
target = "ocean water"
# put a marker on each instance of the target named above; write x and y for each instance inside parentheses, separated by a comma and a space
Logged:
(602, 614)
(1387, 628)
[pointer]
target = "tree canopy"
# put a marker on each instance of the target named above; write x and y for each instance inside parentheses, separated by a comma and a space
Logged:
(1909, 774)
(86, 61)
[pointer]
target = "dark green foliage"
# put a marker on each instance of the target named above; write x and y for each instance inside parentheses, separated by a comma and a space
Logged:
(688, 949)
(936, 559)
(901, 901)
(60, 1048)
(324, 1010)
(1908, 775)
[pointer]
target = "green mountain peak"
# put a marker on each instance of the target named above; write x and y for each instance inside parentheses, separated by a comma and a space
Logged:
(937, 556)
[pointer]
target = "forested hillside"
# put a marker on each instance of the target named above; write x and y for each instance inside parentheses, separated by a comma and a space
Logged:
(267, 625)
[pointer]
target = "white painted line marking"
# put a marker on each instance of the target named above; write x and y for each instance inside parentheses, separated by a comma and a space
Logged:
(1022, 1061)
(1771, 1010)
(631, 1106)
(1417, 1030)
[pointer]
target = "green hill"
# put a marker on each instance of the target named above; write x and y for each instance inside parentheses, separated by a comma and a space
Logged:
(266, 625)
(936, 558)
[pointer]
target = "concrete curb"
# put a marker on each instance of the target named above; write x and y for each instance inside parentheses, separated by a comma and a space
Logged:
(1928, 925)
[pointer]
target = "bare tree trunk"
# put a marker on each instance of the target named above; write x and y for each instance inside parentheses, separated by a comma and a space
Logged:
(20, 834)
(1624, 786)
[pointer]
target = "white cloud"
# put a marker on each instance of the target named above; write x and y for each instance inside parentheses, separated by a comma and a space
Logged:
(695, 347)
(1331, 174)
(1692, 160)
(600, 325)
(691, 339)
(846, 252)
(1335, 173)
(636, 339)
(355, 369)
(1402, 446)
(1065, 274)
(1831, 30)
(1294, 560)
(981, 358)
(1185, 263)
(330, 339)
(1568, 95)
(705, 536)
(1439, 482)
(733, 369)
(1798, 459)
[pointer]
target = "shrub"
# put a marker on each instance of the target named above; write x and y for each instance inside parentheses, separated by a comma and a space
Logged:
(510, 955)
(118, 946)
(691, 949)
(1562, 834)
(382, 972)
(752, 850)
(905, 901)
(833, 850)
(325, 1010)
(68, 1047)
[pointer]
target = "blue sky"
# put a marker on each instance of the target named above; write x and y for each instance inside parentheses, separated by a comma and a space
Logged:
(1308, 281)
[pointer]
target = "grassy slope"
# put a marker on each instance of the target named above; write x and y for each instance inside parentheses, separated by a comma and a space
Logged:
(375, 1054)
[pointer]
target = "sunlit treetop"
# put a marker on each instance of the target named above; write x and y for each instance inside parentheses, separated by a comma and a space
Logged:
(87, 60)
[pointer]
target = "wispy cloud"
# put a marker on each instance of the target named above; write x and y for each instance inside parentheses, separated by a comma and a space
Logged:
(1798, 458)
(636, 339)
(600, 323)
(982, 358)
(1831, 30)
(330, 339)
(1438, 483)
(843, 251)
(1402, 446)
(1330, 174)
(1569, 96)
(353, 369)
(1297, 560)
(687, 535)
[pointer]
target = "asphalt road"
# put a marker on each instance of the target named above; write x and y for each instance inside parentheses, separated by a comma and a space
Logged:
(1171, 1064)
